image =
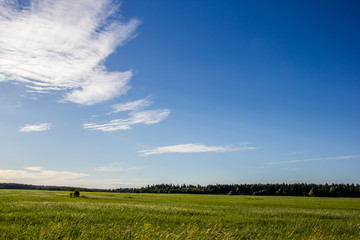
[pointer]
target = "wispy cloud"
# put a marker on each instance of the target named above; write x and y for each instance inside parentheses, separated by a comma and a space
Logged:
(61, 46)
(104, 183)
(317, 159)
(140, 117)
(40, 176)
(195, 148)
(38, 127)
(131, 106)
(34, 168)
(38, 173)
(117, 167)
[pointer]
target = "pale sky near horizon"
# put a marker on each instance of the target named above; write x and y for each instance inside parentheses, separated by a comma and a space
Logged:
(110, 94)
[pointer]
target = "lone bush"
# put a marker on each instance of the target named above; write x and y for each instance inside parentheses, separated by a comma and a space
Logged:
(76, 193)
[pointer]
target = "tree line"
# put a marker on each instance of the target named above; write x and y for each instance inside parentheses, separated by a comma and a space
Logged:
(296, 189)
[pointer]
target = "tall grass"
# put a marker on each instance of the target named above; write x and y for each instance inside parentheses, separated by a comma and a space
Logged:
(54, 215)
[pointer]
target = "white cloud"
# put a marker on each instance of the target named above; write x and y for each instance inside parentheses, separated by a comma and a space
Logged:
(131, 106)
(116, 167)
(37, 173)
(318, 159)
(34, 168)
(100, 88)
(39, 176)
(62, 45)
(140, 117)
(38, 127)
(104, 183)
(195, 148)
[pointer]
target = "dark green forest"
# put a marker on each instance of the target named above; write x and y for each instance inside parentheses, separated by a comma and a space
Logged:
(297, 189)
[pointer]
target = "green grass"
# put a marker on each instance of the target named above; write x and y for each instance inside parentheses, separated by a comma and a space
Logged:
(29, 214)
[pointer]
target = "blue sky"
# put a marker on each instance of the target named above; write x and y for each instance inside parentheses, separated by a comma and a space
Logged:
(141, 92)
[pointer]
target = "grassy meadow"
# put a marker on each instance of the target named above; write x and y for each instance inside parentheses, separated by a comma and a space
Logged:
(32, 214)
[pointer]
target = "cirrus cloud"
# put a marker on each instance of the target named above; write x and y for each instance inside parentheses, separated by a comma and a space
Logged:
(131, 106)
(62, 45)
(117, 167)
(195, 148)
(346, 157)
(141, 117)
(38, 127)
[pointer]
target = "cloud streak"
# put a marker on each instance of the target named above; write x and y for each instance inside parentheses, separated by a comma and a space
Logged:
(195, 148)
(38, 127)
(116, 167)
(38, 173)
(317, 159)
(141, 117)
(62, 45)
(130, 106)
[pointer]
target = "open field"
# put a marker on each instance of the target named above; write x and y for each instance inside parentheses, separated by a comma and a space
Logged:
(31, 214)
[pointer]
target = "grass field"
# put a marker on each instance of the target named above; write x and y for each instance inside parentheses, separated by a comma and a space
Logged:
(30, 214)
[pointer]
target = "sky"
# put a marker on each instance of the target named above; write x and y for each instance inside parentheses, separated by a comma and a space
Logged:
(111, 94)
